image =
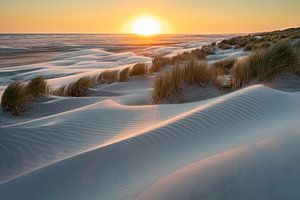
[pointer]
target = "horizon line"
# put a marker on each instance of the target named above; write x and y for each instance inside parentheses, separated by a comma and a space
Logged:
(103, 33)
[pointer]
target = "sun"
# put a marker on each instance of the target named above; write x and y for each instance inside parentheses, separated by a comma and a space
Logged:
(146, 26)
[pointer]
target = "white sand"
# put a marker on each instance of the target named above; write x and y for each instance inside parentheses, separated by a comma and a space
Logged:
(114, 145)
(242, 145)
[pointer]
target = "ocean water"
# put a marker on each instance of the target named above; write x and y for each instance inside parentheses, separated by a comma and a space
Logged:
(23, 56)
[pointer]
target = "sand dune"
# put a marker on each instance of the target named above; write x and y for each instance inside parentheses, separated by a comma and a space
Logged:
(115, 145)
(237, 146)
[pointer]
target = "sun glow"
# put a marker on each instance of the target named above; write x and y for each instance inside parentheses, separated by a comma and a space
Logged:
(146, 26)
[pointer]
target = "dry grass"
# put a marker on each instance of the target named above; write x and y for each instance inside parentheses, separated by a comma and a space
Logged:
(223, 46)
(37, 86)
(61, 91)
(139, 69)
(124, 74)
(198, 54)
(196, 73)
(224, 66)
(15, 98)
(264, 64)
(79, 88)
(161, 88)
(168, 86)
(220, 68)
(158, 62)
(108, 76)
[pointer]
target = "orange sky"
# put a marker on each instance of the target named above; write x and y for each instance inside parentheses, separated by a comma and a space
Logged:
(175, 16)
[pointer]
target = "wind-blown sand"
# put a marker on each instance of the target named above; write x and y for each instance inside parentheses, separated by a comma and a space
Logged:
(242, 145)
(115, 145)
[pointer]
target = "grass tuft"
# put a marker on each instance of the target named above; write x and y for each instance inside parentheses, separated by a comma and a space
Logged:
(79, 88)
(264, 64)
(124, 74)
(157, 63)
(168, 86)
(37, 86)
(15, 98)
(138, 69)
(108, 76)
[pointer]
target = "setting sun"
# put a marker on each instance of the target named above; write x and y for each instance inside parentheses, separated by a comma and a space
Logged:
(146, 26)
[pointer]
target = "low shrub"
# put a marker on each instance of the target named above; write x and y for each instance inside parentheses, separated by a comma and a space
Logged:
(15, 98)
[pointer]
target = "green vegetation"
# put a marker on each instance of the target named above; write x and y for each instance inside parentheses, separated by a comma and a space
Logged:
(15, 98)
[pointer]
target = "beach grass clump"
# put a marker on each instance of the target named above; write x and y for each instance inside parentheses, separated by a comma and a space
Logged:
(124, 74)
(220, 69)
(79, 88)
(61, 91)
(264, 64)
(108, 76)
(196, 73)
(199, 54)
(168, 86)
(139, 69)
(15, 98)
(158, 62)
(37, 86)
(161, 88)
(208, 50)
(223, 46)
(224, 66)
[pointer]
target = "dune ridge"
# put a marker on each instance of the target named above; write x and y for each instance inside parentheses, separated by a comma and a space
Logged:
(109, 156)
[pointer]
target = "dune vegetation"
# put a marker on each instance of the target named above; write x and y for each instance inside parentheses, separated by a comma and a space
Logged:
(108, 76)
(263, 64)
(17, 96)
(139, 69)
(79, 88)
(259, 40)
(158, 62)
(37, 86)
(168, 86)
(271, 54)
(124, 74)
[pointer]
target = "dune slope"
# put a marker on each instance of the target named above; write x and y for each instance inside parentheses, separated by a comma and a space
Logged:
(242, 145)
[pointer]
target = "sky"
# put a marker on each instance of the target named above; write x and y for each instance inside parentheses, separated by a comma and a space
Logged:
(175, 16)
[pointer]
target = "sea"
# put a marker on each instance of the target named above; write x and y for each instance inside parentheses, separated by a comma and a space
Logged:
(23, 56)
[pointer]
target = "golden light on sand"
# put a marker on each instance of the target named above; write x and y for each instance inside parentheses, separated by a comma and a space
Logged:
(146, 26)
